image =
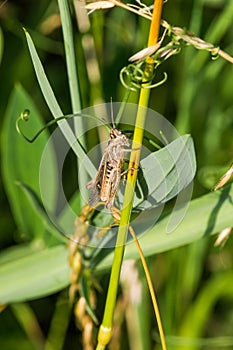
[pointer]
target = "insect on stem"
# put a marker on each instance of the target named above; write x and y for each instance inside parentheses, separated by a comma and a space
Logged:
(105, 185)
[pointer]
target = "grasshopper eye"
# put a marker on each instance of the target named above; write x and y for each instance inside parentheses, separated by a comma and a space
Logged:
(112, 134)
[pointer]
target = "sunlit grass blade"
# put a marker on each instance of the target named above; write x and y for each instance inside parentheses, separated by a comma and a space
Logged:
(151, 289)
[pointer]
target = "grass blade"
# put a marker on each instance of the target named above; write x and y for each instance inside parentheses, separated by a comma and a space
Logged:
(54, 106)
(72, 78)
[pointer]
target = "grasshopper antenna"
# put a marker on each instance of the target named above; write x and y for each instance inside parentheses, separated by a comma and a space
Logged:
(112, 119)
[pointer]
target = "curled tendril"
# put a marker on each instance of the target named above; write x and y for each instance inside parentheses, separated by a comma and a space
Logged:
(156, 84)
(133, 78)
(215, 53)
(24, 116)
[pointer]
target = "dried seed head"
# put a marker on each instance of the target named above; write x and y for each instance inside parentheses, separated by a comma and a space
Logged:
(223, 237)
(226, 177)
(99, 5)
(142, 54)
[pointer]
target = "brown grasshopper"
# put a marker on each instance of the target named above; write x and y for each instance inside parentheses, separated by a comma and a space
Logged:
(105, 185)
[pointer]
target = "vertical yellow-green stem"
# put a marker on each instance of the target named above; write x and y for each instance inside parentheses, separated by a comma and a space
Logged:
(105, 330)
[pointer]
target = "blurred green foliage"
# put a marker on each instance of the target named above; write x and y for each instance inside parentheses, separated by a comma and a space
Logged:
(194, 282)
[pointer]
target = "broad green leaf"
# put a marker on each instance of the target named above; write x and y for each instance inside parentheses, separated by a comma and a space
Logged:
(55, 225)
(174, 167)
(46, 271)
(21, 162)
(40, 210)
(34, 275)
(18, 252)
(205, 216)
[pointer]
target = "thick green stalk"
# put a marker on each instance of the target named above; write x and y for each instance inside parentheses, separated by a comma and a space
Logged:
(106, 328)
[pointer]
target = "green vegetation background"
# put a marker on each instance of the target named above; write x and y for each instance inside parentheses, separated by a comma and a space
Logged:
(194, 282)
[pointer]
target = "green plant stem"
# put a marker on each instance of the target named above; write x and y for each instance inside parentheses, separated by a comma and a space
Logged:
(59, 324)
(105, 330)
(70, 55)
(27, 319)
(72, 79)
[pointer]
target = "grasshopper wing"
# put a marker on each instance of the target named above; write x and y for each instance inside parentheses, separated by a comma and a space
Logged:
(95, 185)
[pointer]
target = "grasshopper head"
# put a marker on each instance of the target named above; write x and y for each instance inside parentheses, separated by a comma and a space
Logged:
(119, 136)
